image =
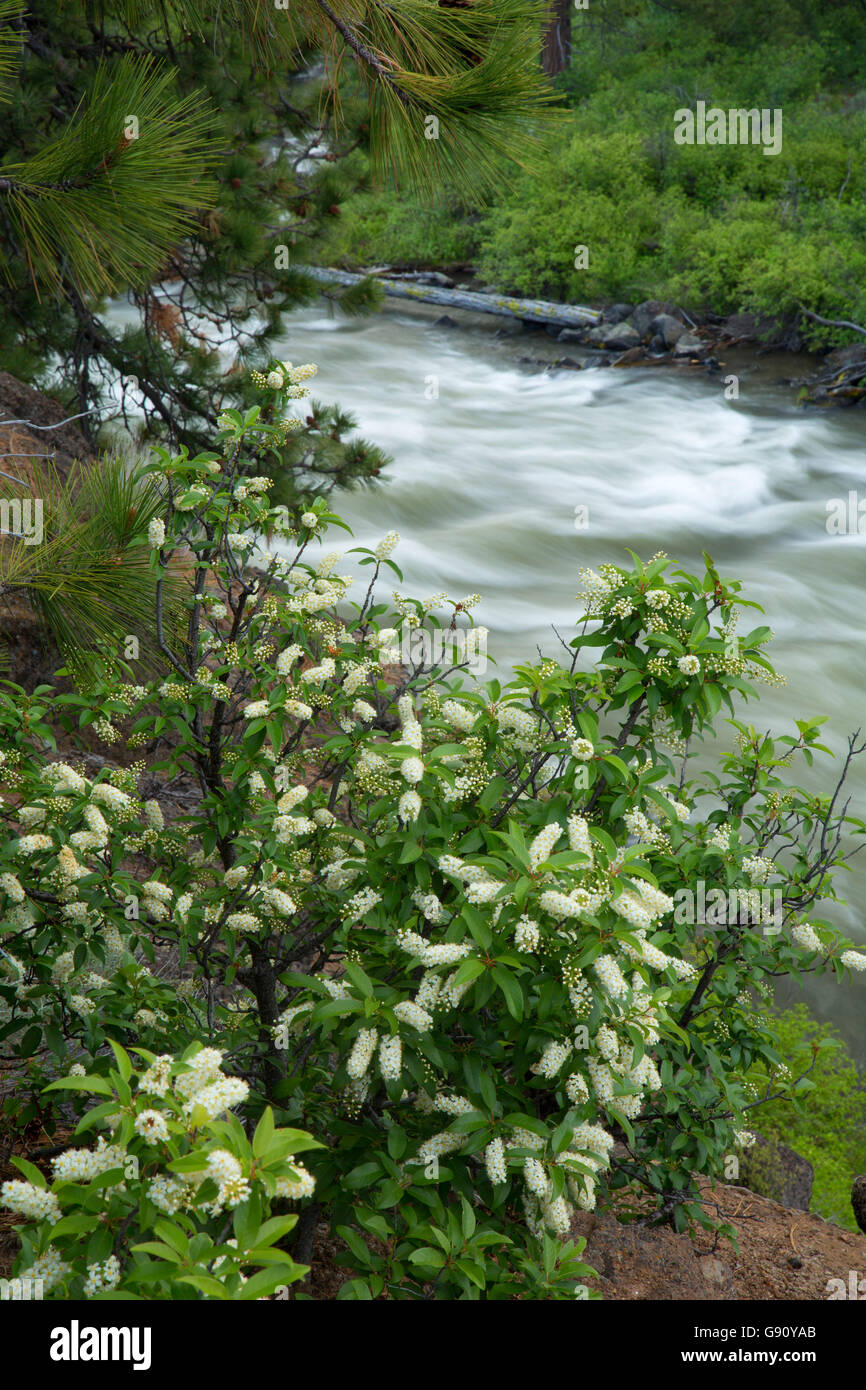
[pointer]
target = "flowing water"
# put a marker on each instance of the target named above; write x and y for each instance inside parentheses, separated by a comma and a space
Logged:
(492, 457)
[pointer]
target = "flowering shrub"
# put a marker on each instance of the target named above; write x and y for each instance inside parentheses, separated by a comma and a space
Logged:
(457, 931)
(147, 1212)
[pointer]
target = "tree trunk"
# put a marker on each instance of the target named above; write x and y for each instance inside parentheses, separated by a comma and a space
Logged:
(556, 45)
(530, 310)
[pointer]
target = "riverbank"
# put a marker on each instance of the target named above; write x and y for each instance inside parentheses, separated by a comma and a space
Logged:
(653, 333)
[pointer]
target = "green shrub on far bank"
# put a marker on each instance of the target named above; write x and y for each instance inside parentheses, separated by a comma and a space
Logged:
(389, 229)
(719, 229)
(828, 1127)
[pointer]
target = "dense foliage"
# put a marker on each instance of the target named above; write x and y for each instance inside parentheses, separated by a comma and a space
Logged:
(718, 229)
(491, 945)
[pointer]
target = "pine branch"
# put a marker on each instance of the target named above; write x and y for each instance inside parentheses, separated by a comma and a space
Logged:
(370, 60)
(106, 202)
(10, 40)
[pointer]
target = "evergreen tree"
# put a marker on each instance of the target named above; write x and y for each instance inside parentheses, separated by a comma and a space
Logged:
(186, 154)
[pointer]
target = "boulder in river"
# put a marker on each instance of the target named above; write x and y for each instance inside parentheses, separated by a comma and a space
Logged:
(572, 335)
(565, 364)
(669, 329)
(645, 313)
(690, 345)
(620, 337)
(632, 356)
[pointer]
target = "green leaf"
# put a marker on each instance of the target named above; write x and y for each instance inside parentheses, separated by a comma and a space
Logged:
(511, 991)
(155, 1247)
(473, 1272)
(264, 1134)
(124, 1065)
(362, 1176)
(360, 980)
(96, 1084)
(396, 1142)
(467, 1221)
(469, 970)
(427, 1256)
(29, 1170)
(205, 1283)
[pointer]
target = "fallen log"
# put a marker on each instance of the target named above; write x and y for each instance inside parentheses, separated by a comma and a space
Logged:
(529, 310)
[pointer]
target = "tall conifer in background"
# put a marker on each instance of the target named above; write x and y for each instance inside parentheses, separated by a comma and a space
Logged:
(184, 153)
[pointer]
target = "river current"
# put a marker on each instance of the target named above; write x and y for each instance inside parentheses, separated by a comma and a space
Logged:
(507, 478)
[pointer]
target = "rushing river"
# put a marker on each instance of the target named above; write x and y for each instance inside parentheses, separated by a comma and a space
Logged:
(492, 457)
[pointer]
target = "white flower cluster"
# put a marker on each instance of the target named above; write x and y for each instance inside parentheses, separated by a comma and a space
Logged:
(610, 976)
(409, 1012)
(360, 904)
(440, 1144)
(429, 906)
(494, 1161)
(232, 1186)
(526, 934)
(80, 1165)
(101, 1277)
(386, 545)
(758, 868)
(157, 1079)
(558, 904)
(391, 1057)
(362, 1052)
(720, 838)
(204, 1084)
(578, 837)
(452, 1105)
(151, 1125)
(295, 1188)
(459, 716)
(807, 937)
(48, 1267)
(552, 1060)
(519, 726)
(409, 807)
(34, 1203)
(542, 846)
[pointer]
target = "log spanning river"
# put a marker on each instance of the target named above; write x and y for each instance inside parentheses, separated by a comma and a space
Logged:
(494, 459)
